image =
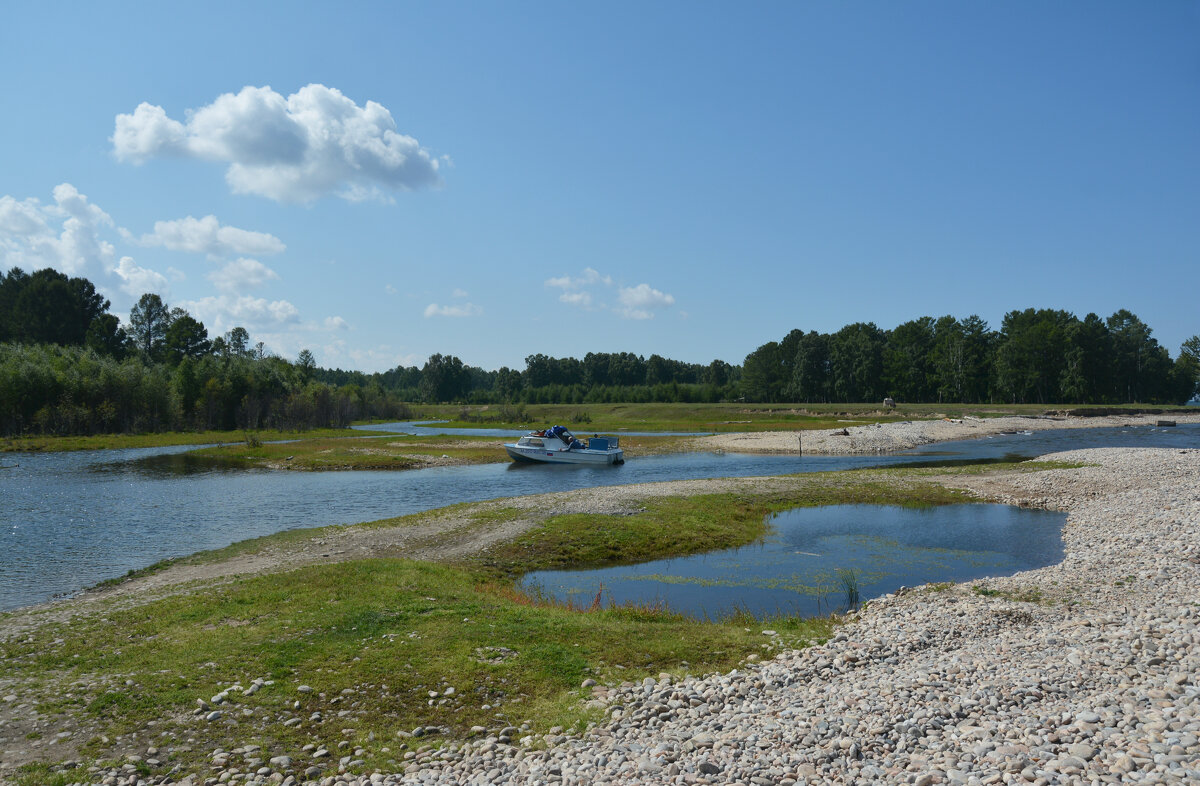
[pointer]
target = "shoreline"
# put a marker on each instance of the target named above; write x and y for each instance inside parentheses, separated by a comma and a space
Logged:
(905, 435)
(1086, 670)
(1082, 669)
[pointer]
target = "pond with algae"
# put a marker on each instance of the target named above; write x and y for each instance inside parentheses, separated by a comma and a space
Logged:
(814, 559)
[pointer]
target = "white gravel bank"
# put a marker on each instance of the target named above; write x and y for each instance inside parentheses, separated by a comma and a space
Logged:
(890, 437)
(1096, 682)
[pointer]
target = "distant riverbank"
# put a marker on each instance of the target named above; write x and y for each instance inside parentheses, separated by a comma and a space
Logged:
(857, 438)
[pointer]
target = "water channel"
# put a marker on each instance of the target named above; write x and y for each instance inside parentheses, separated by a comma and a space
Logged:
(69, 520)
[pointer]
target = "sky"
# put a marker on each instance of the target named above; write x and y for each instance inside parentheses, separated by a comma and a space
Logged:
(379, 182)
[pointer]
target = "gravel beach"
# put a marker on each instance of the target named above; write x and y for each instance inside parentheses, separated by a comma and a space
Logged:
(1087, 671)
(1082, 672)
(890, 437)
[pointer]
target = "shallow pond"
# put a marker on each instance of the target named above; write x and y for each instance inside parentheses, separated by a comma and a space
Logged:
(812, 555)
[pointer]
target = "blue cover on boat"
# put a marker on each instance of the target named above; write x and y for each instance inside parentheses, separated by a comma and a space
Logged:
(598, 443)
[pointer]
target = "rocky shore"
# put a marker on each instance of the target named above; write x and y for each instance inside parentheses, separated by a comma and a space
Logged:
(1082, 672)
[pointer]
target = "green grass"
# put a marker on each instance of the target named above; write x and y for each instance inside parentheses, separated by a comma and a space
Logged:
(355, 452)
(389, 631)
(727, 417)
(154, 440)
(679, 526)
(1023, 595)
(374, 637)
(41, 774)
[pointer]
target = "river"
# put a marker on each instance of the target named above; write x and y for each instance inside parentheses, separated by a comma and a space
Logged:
(69, 520)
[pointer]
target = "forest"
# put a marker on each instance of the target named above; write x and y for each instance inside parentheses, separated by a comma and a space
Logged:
(70, 367)
(1038, 356)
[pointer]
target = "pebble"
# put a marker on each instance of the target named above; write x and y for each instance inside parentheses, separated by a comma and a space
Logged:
(1092, 682)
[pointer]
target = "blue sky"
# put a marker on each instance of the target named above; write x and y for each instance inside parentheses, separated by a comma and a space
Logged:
(379, 182)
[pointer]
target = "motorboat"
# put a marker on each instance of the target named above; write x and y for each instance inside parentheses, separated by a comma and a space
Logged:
(557, 445)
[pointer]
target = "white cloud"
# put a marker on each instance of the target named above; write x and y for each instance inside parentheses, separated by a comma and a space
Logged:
(207, 236)
(69, 236)
(22, 219)
(642, 301)
(314, 143)
(79, 247)
(391, 290)
(465, 310)
(242, 274)
(75, 204)
(336, 323)
(576, 298)
(147, 133)
(639, 302)
(379, 358)
(226, 311)
(460, 293)
(590, 276)
(576, 289)
(136, 281)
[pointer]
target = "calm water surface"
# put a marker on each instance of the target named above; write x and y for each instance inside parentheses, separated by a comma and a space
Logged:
(795, 570)
(69, 520)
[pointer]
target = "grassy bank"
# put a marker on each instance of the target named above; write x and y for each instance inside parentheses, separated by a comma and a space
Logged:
(156, 440)
(728, 417)
(389, 645)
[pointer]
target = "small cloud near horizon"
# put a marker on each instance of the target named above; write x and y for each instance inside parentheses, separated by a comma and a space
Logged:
(642, 301)
(465, 310)
(639, 302)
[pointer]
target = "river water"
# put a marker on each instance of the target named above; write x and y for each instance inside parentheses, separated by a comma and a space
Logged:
(69, 520)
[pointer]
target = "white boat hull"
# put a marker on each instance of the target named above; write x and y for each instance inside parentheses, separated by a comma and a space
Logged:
(546, 455)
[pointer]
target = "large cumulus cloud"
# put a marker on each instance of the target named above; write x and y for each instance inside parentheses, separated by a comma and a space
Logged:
(313, 143)
(68, 235)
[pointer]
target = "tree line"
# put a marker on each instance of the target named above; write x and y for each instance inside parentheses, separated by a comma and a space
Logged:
(69, 366)
(1038, 356)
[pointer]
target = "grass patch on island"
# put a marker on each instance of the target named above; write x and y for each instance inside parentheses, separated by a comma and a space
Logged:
(679, 526)
(357, 452)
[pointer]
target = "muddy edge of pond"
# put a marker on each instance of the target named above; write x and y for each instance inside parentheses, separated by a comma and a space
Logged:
(891, 437)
